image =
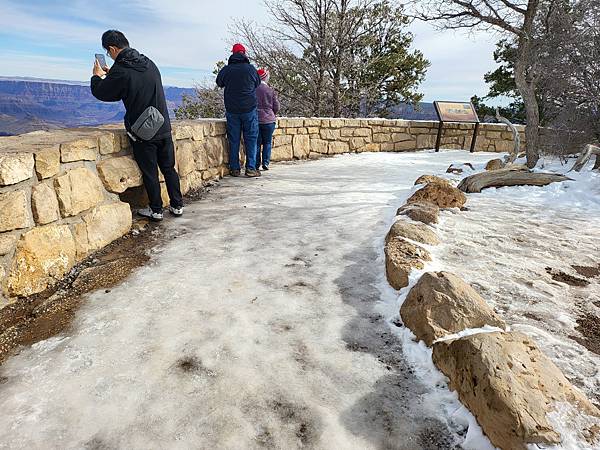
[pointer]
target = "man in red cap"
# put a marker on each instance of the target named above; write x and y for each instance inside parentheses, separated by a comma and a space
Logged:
(240, 80)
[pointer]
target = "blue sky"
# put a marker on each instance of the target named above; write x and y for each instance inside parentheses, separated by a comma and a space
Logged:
(58, 39)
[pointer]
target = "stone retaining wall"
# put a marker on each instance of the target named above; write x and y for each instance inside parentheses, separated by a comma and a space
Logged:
(65, 194)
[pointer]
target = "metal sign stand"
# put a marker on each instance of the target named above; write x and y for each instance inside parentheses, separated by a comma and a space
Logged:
(438, 140)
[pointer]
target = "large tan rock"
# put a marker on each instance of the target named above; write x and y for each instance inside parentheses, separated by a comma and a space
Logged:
(426, 179)
(509, 385)
(414, 231)
(440, 194)
(110, 142)
(338, 147)
(44, 204)
(101, 226)
(301, 146)
(47, 162)
(83, 149)
(43, 256)
(14, 212)
(119, 174)
(77, 190)
(421, 212)
(441, 304)
(494, 164)
(401, 257)
(15, 167)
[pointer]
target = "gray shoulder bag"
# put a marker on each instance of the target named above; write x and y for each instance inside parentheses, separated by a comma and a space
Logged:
(147, 125)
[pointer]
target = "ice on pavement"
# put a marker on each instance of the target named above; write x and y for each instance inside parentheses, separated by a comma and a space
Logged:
(263, 322)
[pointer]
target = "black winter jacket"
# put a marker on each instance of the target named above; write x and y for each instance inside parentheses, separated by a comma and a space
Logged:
(135, 79)
(240, 80)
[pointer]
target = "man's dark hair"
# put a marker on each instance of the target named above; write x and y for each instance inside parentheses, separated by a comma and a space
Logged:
(114, 38)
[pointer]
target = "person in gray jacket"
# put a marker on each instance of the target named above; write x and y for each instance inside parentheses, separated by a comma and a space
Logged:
(268, 107)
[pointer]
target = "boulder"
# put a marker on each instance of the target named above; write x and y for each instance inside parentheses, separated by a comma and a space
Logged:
(426, 179)
(401, 257)
(508, 177)
(77, 190)
(14, 212)
(441, 195)
(119, 174)
(441, 304)
(101, 226)
(414, 231)
(83, 149)
(43, 256)
(47, 162)
(44, 204)
(15, 167)
(494, 164)
(420, 211)
(509, 385)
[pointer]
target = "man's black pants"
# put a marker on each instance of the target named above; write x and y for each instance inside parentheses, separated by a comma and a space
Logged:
(150, 156)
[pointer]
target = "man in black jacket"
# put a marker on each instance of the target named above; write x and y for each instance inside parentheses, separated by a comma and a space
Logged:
(136, 81)
(240, 80)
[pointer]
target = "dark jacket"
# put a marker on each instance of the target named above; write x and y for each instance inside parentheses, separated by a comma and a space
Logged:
(135, 79)
(240, 80)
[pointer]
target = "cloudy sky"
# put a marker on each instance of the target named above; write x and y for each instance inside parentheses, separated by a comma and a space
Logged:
(58, 38)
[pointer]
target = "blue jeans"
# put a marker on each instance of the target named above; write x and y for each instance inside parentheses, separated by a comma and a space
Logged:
(246, 123)
(265, 144)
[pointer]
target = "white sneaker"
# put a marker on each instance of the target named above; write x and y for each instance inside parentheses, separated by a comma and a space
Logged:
(176, 211)
(147, 212)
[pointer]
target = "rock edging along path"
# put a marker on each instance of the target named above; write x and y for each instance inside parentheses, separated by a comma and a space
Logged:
(500, 376)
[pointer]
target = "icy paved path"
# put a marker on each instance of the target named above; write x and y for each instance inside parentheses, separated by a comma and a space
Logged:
(255, 328)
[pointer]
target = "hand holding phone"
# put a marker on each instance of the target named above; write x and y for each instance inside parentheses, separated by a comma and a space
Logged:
(101, 60)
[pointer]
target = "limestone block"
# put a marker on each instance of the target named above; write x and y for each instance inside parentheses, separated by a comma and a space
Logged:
(83, 149)
(119, 174)
(101, 226)
(217, 150)
(14, 212)
(184, 156)
(404, 146)
(282, 153)
(336, 123)
(387, 146)
(420, 212)
(7, 243)
(15, 167)
(44, 204)
(441, 304)
(372, 147)
(401, 257)
(218, 128)
(401, 137)
(79, 189)
(282, 140)
(426, 141)
(362, 132)
(313, 130)
(47, 162)
(357, 143)
(191, 182)
(509, 385)
(313, 122)
(109, 143)
(504, 146)
(319, 146)
(182, 131)
(291, 131)
(301, 146)
(330, 135)
(43, 256)
(338, 147)
(382, 137)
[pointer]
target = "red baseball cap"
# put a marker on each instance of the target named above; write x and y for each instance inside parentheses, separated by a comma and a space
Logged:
(238, 48)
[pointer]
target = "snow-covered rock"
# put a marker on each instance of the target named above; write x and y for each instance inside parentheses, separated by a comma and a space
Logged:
(414, 231)
(401, 257)
(440, 194)
(441, 304)
(425, 212)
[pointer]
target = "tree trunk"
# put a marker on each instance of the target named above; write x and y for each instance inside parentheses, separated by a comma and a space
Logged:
(532, 112)
(597, 164)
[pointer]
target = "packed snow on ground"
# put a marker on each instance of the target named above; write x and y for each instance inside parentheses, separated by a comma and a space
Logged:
(264, 322)
(503, 244)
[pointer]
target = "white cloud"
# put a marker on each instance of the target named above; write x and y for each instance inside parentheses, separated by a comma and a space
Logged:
(194, 34)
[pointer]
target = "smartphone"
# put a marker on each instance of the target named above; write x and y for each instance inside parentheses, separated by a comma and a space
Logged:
(101, 60)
